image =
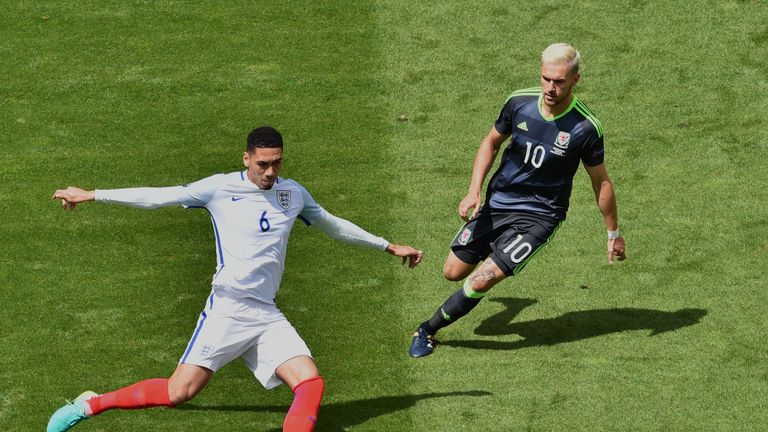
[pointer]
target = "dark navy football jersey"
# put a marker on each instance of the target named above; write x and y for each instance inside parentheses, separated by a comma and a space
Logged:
(537, 167)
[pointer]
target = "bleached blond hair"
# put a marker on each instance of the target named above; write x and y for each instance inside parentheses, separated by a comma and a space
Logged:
(559, 53)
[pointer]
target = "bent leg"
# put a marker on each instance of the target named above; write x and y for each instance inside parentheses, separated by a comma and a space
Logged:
(466, 298)
(301, 374)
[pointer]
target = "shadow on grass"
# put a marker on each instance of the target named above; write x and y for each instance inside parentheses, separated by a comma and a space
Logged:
(342, 415)
(573, 326)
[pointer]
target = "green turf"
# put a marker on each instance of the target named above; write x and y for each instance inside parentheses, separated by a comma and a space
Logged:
(382, 105)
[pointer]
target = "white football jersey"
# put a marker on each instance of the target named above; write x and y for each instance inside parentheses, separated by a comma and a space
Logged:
(251, 225)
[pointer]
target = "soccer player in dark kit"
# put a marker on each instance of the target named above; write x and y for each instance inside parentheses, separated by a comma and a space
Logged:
(527, 199)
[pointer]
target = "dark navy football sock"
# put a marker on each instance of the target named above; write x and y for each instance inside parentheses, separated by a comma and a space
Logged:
(457, 305)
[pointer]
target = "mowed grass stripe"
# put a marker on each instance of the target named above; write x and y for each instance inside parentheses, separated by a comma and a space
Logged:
(443, 95)
(161, 94)
(673, 127)
(353, 309)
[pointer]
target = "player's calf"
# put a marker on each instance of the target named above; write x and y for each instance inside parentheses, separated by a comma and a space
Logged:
(455, 307)
(144, 394)
(302, 416)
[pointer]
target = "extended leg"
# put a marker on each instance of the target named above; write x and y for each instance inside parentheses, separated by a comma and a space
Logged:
(186, 382)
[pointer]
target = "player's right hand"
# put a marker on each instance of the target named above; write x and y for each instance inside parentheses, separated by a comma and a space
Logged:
(471, 201)
(72, 195)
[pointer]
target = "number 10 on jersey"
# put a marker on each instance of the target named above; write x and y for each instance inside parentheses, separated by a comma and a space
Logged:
(536, 157)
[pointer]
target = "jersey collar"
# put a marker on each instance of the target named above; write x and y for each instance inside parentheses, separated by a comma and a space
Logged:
(570, 107)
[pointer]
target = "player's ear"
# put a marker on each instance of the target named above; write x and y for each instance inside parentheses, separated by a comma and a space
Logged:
(246, 158)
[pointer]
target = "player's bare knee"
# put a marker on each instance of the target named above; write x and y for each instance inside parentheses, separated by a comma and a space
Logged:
(180, 393)
(455, 273)
(176, 396)
(451, 274)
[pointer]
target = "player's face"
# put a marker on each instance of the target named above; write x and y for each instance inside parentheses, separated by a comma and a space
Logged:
(557, 83)
(264, 166)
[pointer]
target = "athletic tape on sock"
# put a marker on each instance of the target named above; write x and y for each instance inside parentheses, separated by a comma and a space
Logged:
(469, 292)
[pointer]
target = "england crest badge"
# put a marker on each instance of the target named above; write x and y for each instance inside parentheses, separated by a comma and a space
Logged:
(284, 199)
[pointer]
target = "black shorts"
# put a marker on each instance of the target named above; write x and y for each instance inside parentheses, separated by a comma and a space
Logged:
(510, 238)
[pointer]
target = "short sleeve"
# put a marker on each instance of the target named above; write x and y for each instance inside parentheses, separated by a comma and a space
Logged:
(503, 123)
(593, 153)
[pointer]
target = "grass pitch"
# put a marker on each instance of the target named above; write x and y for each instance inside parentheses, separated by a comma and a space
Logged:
(382, 105)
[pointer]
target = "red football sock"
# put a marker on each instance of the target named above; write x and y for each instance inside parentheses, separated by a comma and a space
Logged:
(144, 394)
(302, 416)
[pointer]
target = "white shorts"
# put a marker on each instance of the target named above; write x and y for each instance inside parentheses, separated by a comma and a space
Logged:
(229, 328)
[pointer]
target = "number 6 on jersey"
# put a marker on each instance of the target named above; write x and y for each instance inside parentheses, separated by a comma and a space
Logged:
(264, 222)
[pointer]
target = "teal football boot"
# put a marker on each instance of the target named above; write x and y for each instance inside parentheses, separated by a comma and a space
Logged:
(70, 414)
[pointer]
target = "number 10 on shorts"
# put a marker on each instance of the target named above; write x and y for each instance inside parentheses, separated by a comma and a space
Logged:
(519, 250)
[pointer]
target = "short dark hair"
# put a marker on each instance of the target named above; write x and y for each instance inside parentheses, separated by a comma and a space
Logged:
(264, 137)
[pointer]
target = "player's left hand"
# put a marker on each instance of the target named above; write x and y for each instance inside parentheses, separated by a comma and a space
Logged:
(616, 249)
(409, 254)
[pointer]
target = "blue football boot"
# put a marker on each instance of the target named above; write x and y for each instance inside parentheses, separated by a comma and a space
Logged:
(423, 344)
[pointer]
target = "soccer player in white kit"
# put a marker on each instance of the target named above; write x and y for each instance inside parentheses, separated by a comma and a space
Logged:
(252, 212)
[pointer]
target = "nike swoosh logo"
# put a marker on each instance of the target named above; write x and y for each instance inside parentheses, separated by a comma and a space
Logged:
(237, 198)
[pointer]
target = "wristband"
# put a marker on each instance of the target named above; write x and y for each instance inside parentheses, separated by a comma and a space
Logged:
(613, 235)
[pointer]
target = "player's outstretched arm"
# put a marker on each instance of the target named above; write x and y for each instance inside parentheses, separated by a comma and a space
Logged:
(409, 254)
(347, 232)
(71, 196)
(606, 202)
(194, 194)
